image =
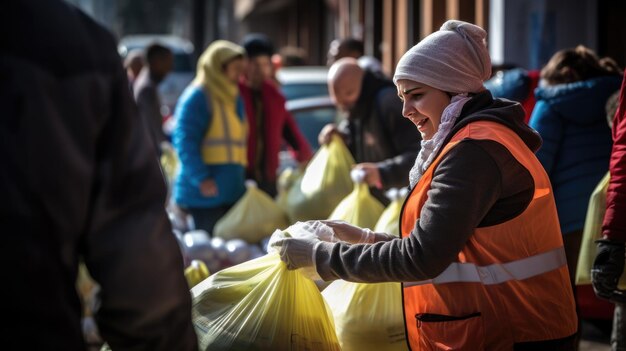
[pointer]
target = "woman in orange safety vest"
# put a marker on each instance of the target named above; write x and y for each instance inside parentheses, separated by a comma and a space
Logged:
(481, 257)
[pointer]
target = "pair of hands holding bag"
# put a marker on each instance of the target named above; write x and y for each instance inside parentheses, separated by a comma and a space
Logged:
(300, 252)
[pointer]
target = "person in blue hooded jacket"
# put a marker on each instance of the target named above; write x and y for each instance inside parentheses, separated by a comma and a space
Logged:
(570, 117)
(210, 137)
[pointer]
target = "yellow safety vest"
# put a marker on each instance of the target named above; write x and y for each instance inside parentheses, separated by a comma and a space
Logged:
(225, 139)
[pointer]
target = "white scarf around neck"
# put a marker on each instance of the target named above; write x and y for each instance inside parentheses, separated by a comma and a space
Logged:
(431, 147)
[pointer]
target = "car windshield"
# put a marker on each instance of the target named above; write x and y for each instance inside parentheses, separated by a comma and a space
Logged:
(301, 90)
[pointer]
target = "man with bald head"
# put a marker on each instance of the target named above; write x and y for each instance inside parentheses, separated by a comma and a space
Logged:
(381, 140)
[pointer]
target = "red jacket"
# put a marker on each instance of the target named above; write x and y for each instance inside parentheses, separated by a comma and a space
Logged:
(279, 126)
(614, 226)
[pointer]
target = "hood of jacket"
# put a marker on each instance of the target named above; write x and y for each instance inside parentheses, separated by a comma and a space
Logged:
(483, 107)
(581, 102)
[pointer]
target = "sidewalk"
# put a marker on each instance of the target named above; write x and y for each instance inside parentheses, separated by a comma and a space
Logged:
(594, 338)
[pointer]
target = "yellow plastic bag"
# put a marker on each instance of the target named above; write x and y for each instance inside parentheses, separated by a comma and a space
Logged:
(169, 163)
(389, 221)
(254, 217)
(196, 272)
(359, 208)
(367, 316)
(593, 231)
(326, 180)
(287, 179)
(260, 305)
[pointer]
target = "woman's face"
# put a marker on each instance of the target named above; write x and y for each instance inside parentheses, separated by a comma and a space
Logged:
(423, 105)
(234, 69)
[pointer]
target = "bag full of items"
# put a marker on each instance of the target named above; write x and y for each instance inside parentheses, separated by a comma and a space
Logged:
(389, 221)
(254, 217)
(367, 316)
(359, 208)
(261, 305)
(326, 180)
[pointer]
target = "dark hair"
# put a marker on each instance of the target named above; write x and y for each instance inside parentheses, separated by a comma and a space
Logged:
(577, 64)
(352, 44)
(257, 44)
(156, 51)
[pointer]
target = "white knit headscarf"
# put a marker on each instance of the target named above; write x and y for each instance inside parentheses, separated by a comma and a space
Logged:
(454, 60)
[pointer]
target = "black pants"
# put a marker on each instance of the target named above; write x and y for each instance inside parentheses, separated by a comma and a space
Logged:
(205, 218)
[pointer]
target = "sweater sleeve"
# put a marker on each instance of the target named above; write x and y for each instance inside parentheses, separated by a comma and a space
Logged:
(467, 187)
(548, 125)
(192, 120)
(614, 226)
(405, 140)
(129, 247)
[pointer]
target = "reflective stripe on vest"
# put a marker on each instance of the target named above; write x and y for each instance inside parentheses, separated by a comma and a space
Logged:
(499, 273)
(225, 139)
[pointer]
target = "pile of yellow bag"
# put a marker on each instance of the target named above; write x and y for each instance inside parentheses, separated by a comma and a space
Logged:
(367, 316)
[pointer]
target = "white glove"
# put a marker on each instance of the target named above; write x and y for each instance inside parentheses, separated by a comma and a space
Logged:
(349, 233)
(299, 253)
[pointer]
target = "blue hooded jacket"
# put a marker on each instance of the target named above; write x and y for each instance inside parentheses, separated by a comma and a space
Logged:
(576, 148)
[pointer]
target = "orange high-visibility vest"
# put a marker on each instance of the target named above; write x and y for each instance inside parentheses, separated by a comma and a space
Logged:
(508, 284)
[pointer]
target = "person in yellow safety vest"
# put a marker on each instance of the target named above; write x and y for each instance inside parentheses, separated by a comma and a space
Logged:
(481, 257)
(210, 137)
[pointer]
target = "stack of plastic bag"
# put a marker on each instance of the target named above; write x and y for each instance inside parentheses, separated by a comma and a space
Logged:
(389, 221)
(254, 217)
(592, 231)
(261, 305)
(324, 183)
(367, 316)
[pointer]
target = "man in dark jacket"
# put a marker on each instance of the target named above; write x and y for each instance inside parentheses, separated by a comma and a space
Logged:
(80, 181)
(382, 141)
(159, 63)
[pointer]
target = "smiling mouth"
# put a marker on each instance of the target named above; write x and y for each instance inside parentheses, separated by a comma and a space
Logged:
(420, 123)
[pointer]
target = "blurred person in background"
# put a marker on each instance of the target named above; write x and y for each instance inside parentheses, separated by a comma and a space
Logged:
(289, 56)
(351, 47)
(133, 63)
(571, 119)
(159, 63)
(608, 266)
(211, 136)
(481, 256)
(80, 183)
(517, 84)
(269, 122)
(382, 142)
